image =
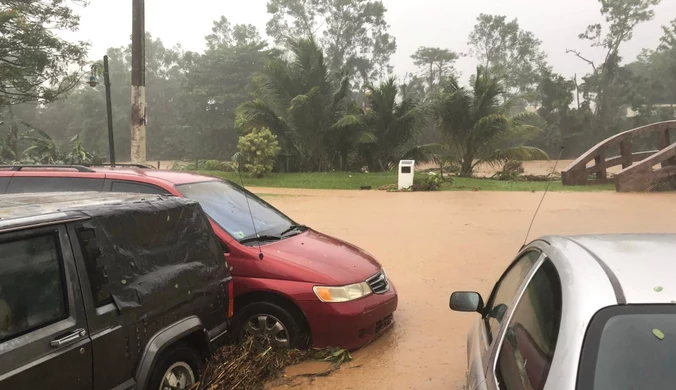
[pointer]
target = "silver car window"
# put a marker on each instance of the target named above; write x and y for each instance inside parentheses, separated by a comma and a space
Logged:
(527, 349)
(505, 291)
(630, 347)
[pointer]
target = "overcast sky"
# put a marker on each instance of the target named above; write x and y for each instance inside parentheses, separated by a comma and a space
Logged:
(439, 23)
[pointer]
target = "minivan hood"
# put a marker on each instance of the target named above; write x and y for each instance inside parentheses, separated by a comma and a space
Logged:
(337, 260)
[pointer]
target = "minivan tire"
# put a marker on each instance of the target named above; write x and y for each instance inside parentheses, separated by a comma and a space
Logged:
(272, 315)
(184, 357)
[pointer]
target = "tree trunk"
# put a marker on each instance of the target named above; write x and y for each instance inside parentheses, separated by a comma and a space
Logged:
(466, 167)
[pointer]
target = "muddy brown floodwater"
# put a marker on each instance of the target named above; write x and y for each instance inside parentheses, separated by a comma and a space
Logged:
(434, 243)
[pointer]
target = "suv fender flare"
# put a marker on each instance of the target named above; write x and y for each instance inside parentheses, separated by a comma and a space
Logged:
(163, 339)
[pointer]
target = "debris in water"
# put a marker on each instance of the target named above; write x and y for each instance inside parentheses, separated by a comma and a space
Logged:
(658, 333)
(248, 366)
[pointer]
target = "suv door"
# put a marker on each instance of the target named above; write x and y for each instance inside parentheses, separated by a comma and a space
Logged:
(43, 337)
(527, 345)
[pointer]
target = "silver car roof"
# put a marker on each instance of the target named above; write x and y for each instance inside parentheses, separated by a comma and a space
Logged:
(640, 266)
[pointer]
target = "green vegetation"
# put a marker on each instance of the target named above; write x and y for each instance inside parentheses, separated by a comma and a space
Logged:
(353, 181)
(327, 91)
(257, 152)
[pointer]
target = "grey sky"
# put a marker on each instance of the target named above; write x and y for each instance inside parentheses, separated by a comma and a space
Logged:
(441, 23)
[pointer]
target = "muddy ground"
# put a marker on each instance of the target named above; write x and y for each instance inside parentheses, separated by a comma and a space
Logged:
(434, 243)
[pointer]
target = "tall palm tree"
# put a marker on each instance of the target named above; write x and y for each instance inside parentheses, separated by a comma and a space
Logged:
(393, 121)
(385, 128)
(299, 101)
(476, 122)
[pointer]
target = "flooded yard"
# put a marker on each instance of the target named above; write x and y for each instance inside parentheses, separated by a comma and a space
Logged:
(434, 243)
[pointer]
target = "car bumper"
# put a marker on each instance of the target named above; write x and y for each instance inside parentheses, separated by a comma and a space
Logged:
(350, 325)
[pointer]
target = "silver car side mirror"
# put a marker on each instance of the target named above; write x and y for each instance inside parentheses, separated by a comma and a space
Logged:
(466, 301)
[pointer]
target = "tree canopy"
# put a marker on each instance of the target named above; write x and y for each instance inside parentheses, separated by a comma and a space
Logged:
(320, 82)
(34, 61)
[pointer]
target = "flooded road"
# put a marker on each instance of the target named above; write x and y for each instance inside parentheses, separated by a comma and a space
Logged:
(431, 244)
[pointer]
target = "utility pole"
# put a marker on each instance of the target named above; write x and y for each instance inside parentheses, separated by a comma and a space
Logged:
(138, 84)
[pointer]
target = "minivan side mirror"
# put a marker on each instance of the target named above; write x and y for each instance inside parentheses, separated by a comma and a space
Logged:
(466, 301)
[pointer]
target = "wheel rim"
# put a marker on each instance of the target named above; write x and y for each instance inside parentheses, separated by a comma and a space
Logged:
(268, 331)
(178, 377)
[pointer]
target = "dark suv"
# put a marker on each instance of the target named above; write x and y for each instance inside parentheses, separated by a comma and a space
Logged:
(108, 291)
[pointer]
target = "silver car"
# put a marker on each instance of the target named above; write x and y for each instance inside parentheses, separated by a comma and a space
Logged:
(583, 312)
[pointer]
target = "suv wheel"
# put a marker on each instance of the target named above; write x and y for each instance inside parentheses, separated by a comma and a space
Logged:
(177, 369)
(270, 325)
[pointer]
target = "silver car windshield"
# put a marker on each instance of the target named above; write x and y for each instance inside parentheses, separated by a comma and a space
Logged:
(226, 204)
(630, 348)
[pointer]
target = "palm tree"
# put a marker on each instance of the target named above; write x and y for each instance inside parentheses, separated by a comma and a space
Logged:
(385, 127)
(475, 123)
(299, 101)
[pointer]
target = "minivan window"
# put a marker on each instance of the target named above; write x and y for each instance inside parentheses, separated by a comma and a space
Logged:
(528, 346)
(228, 206)
(31, 285)
(505, 291)
(20, 185)
(3, 184)
(630, 347)
(126, 186)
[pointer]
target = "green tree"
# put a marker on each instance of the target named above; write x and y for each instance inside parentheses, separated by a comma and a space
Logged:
(300, 103)
(354, 34)
(475, 122)
(435, 63)
(35, 64)
(507, 51)
(216, 83)
(605, 86)
(258, 151)
(393, 121)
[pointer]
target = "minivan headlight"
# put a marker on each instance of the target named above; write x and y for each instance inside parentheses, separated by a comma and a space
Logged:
(342, 293)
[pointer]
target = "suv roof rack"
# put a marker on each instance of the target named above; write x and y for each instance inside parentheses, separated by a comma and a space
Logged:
(143, 166)
(79, 168)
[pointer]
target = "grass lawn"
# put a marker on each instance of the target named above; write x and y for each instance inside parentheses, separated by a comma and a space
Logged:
(352, 181)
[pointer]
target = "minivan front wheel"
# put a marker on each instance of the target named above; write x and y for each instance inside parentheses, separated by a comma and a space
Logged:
(177, 369)
(270, 325)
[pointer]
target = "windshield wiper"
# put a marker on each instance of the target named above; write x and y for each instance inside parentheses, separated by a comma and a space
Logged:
(260, 238)
(293, 227)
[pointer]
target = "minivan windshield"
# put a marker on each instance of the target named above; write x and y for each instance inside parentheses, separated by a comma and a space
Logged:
(226, 204)
(630, 347)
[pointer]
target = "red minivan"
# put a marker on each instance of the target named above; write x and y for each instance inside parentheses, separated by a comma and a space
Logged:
(294, 286)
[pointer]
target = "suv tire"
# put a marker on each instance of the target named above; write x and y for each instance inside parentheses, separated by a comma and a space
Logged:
(271, 325)
(183, 361)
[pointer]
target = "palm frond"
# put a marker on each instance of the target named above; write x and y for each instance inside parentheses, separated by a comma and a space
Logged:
(349, 122)
(518, 153)
(424, 153)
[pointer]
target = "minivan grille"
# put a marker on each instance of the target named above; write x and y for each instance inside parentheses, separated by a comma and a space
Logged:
(378, 283)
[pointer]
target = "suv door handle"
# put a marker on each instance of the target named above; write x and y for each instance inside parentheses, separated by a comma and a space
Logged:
(72, 337)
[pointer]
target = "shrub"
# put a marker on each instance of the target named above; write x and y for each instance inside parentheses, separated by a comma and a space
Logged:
(205, 165)
(512, 170)
(430, 182)
(215, 165)
(258, 151)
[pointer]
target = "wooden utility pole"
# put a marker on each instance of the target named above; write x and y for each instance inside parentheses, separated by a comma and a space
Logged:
(138, 84)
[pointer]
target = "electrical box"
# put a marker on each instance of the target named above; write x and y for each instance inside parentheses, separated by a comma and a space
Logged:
(406, 172)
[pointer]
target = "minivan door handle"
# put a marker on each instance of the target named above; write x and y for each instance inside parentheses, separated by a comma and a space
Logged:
(76, 335)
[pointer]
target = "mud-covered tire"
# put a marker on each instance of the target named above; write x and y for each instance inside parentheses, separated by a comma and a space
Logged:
(179, 356)
(256, 315)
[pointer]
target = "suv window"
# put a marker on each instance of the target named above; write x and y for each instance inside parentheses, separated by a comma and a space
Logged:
(3, 184)
(630, 347)
(505, 291)
(127, 186)
(31, 285)
(528, 346)
(19, 185)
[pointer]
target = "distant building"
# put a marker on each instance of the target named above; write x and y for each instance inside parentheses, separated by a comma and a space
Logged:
(632, 113)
